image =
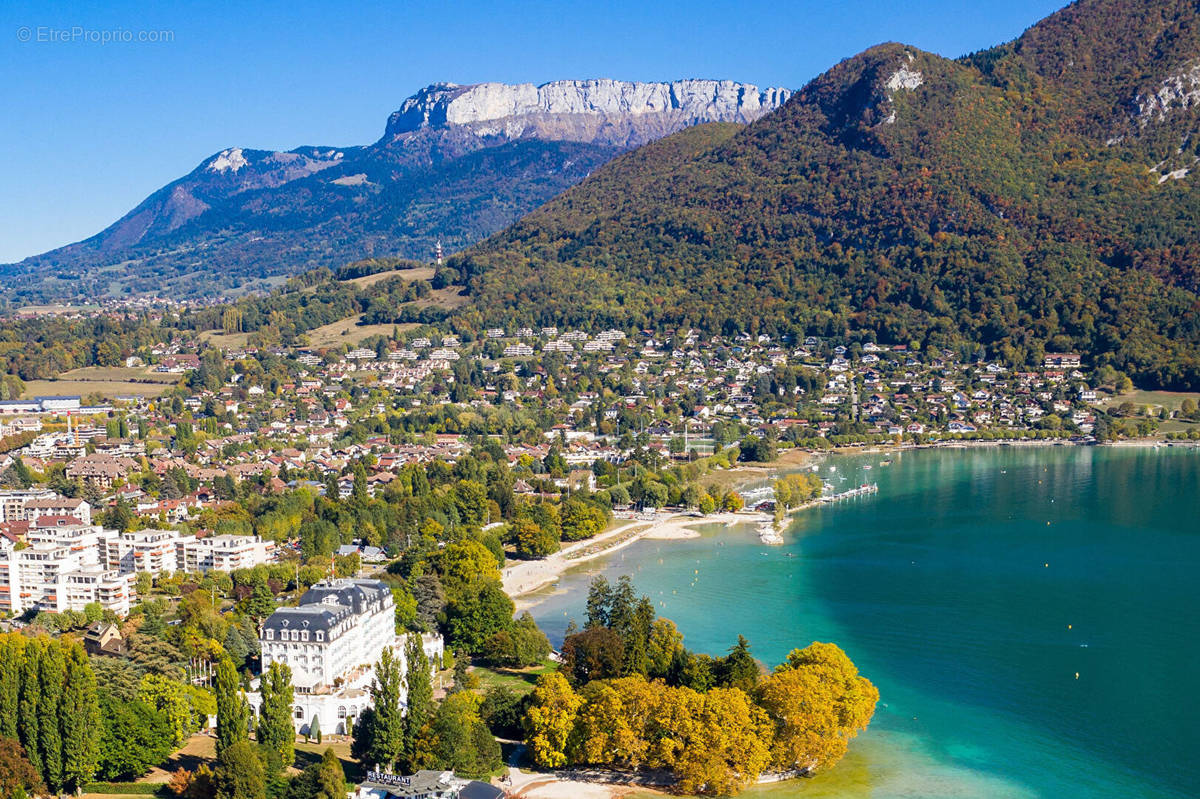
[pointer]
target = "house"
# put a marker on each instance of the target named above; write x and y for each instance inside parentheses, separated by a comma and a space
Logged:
(103, 638)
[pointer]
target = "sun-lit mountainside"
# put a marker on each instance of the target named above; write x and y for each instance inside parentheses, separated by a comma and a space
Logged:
(1038, 196)
(455, 164)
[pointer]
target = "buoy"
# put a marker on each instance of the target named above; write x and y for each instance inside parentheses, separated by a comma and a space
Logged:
(1068, 626)
(1077, 675)
(1047, 565)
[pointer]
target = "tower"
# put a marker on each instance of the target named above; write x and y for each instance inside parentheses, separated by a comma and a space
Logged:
(437, 252)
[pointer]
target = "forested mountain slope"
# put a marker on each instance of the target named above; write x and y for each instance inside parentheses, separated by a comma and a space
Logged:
(1037, 196)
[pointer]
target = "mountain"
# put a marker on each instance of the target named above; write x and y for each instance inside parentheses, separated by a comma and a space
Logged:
(1037, 196)
(455, 164)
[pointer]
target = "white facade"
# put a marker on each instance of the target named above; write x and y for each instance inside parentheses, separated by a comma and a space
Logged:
(223, 553)
(61, 570)
(331, 642)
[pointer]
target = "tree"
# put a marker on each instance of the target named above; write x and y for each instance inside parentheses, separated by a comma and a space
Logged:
(455, 738)
(502, 710)
(550, 719)
(379, 735)
(817, 702)
(596, 653)
(331, 778)
(738, 669)
(233, 712)
(314, 729)
(18, 777)
(725, 746)
(420, 696)
(12, 658)
(28, 701)
(170, 698)
(79, 720)
(135, 738)
(324, 779)
(665, 642)
(276, 735)
(51, 671)
(239, 773)
(534, 540)
(599, 601)
(476, 612)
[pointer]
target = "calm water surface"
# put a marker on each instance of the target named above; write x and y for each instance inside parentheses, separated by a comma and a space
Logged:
(1030, 616)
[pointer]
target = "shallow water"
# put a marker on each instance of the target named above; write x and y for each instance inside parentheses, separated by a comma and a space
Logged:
(1029, 615)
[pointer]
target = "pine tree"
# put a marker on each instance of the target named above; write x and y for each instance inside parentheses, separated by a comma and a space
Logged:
(79, 720)
(275, 731)
(51, 672)
(233, 714)
(420, 698)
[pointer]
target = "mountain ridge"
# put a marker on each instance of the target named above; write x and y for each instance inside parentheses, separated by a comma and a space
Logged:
(244, 219)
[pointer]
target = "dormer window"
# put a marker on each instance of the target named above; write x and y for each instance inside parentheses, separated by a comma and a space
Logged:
(270, 635)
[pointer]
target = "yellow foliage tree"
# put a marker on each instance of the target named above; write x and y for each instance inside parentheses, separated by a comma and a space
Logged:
(550, 719)
(818, 702)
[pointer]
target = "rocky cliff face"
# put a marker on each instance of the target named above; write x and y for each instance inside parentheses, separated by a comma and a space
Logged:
(620, 113)
(456, 164)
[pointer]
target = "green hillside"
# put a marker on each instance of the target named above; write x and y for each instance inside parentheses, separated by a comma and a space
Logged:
(1027, 199)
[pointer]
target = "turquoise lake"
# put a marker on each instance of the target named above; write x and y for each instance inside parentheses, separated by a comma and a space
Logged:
(1030, 616)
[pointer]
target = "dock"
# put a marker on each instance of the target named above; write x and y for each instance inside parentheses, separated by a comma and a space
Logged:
(862, 490)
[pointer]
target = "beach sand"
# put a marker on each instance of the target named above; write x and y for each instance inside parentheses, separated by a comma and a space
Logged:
(525, 577)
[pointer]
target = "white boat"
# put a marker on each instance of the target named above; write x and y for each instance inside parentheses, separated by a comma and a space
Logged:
(867, 466)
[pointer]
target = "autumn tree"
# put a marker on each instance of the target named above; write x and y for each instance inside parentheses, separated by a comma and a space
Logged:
(18, 777)
(817, 702)
(549, 720)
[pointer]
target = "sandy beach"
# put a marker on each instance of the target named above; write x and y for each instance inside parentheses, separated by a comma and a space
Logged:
(524, 577)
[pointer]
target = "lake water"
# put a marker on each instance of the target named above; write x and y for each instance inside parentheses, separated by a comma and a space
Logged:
(1030, 616)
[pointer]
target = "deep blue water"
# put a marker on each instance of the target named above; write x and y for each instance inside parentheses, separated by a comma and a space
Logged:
(1030, 616)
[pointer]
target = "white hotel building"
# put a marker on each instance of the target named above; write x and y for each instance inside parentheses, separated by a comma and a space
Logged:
(331, 642)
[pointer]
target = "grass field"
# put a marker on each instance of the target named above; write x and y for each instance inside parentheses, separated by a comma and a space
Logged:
(226, 341)
(1171, 400)
(519, 680)
(108, 381)
(348, 331)
(420, 273)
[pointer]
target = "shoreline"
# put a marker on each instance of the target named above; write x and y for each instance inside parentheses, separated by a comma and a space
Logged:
(523, 578)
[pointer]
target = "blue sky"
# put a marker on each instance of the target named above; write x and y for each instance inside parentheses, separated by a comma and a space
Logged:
(90, 128)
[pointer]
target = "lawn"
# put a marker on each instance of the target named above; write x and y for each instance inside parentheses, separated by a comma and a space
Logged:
(419, 273)
(519, 680)
(1156, 399)
(348, 331)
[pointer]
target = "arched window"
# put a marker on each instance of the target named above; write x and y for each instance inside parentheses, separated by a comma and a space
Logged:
(299, 712)
(341, 712)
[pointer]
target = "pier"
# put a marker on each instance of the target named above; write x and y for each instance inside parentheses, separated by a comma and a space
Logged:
(862, 490)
